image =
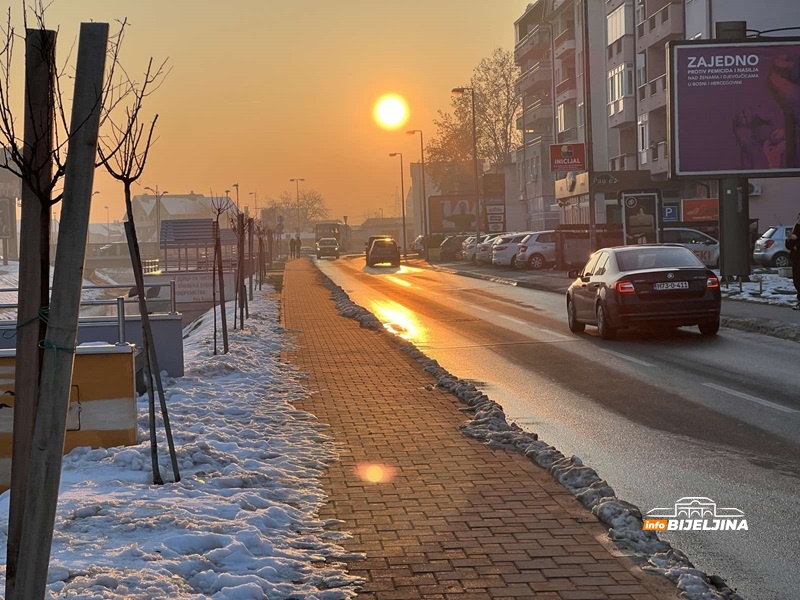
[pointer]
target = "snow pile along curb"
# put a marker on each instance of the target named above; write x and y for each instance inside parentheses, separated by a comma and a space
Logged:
(489, 425)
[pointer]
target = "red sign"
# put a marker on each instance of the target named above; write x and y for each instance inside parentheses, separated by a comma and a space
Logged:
(700, 209)
(567, 157)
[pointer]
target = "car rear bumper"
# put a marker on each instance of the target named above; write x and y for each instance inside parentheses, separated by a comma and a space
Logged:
(673, 314)
(763, 258)
(327, 253)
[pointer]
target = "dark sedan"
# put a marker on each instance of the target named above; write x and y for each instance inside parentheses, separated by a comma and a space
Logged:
(643, 286)
(383, 250)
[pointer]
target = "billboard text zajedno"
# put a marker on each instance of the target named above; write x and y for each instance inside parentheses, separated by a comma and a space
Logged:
(735, 108)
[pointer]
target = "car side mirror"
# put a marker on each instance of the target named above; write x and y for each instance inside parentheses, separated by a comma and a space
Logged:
(573, 274)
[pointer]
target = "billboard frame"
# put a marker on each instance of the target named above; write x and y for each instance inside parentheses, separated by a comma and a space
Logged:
(672, 121)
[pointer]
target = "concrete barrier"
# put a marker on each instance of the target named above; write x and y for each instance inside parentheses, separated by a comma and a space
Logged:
(102, 408)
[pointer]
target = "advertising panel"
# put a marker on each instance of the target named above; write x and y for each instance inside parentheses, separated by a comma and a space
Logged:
(735, 108)
(700, 209)
(567, 157)
(451, 213)
(639, 223)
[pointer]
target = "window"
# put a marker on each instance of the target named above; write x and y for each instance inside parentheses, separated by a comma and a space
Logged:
(589, 268)
(620, 82)
(602, 264)
(619, 23)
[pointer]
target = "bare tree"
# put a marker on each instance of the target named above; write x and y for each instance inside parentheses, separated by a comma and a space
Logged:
(124, 152)
(497, 106)
(220, 207)
(311, 208)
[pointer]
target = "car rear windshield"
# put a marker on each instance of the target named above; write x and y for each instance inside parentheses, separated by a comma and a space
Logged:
(328, 242)
(769, 232)
(383, 244)
(656, 258)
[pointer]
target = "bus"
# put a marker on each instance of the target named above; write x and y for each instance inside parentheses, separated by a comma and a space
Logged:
(332, 229)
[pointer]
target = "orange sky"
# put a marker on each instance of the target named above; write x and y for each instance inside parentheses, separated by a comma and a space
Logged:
(263, 91)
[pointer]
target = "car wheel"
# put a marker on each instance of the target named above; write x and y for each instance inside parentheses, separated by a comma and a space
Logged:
(575, 326)
(319, 256)
(604, 330)
(513, 263)
(781, 260)
(536, 262)
(337, 255)
(709, 328)
(474, 259)
(369, 264)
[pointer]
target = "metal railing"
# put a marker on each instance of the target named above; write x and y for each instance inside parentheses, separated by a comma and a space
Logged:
(119, 302)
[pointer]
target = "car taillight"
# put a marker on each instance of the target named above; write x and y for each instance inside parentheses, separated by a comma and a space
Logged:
(499, 247)
(768, 244)
(712, 282)
(484, 248)
(625, 287)
(523, 248)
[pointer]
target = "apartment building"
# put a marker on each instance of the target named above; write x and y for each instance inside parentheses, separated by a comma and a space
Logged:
(551, 50)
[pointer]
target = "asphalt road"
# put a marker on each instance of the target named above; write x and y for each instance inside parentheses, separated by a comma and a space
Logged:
(659, 416)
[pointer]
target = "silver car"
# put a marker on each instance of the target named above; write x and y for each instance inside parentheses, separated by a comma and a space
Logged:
(504, 250)
(537, 250)
(484, 253)
(770, 249)
(705, 247)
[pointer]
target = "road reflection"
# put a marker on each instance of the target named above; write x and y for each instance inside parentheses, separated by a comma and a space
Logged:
(399, 320)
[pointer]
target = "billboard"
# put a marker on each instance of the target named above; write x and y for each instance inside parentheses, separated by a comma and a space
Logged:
(734, 108)
(451, 214)
(700, 209)
(567, 157)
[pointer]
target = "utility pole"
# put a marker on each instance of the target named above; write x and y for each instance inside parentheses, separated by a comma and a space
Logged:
(587, 103)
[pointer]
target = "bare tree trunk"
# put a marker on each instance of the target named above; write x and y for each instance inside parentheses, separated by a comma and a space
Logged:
(214, 285)
(223, 314)
(250, 258)
(47, 448)
(34, 276)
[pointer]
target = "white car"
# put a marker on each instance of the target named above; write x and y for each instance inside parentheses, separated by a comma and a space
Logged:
(484, 253)
(504, 250)
(537, 250)
(471, 249)
(705, 247)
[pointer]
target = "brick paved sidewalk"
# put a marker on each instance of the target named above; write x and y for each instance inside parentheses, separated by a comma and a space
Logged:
(458, 520)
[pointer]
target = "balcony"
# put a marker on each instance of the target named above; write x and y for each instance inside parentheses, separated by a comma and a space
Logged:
(662, 26)
(566, 90)
(535, 43)
(564, 43)
(623, 162)
(538, 77)
(538, 113)
(622, 112)
(653, 95)
(658, 161)
(568, 135)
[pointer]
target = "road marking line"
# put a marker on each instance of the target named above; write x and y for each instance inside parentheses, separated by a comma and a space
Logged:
(626, 357)
(543, 330)
(744, 396)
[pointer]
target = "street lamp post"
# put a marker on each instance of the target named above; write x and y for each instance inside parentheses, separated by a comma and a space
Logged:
(424, 206)
(297, 180)
(255, 204)
(462, 90)
(402, 202)
(158, 196)
(108, 225)
(236, 185)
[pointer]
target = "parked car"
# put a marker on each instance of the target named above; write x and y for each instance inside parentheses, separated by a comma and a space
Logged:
(470, 248)
(451, 247)
(648, 285)
(418, 245)
(770, 249)
(537, 250)
(328, 247)
(383, 250)
(504, 250)
(372, 238)
(484, 252)
(705, 247)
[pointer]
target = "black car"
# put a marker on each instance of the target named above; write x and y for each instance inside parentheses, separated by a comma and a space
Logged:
(383, 250)
(328, 247)
(450, 248)
(658, 285)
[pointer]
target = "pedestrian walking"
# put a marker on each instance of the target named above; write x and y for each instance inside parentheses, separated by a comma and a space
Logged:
(292, 247)
(793, 245)
(298, 244)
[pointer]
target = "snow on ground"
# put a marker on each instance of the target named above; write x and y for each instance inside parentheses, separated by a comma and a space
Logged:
(765, 287)
(242, 523)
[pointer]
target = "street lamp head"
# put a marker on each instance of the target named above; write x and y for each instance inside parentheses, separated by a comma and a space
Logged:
(236, 185)
(459, 90)
(395, 154)
(413, 131)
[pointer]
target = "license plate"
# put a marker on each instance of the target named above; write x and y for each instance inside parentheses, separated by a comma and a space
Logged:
(671, 285)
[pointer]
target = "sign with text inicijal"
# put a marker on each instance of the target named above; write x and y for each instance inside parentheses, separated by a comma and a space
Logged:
(567, 157)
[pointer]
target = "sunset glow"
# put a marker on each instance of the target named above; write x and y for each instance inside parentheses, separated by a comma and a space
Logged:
(391, 111)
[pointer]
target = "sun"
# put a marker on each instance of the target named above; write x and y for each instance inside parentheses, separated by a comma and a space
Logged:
(391, 111)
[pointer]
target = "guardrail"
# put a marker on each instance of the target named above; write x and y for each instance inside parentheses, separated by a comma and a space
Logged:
(119, 302)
